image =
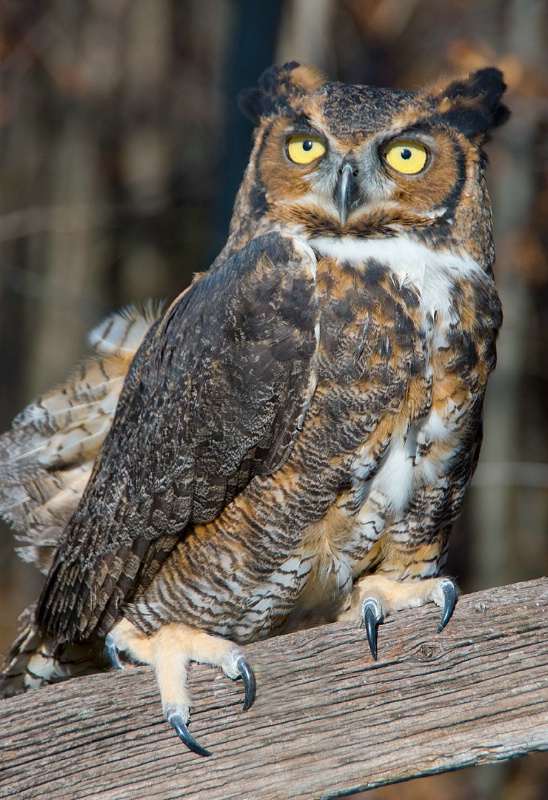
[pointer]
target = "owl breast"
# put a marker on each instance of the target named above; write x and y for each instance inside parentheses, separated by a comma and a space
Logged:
(429, 323)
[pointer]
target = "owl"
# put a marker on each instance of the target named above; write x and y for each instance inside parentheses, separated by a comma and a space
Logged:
(296, 431)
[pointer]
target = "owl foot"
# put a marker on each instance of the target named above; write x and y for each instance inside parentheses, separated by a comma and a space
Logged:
(374, 597)
(169, 651)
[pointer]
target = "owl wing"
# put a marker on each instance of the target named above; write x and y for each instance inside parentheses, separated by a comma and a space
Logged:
(216, 395)
(47, 457)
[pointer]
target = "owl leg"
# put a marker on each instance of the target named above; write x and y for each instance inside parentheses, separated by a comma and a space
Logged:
(169, 651)
(375, 596)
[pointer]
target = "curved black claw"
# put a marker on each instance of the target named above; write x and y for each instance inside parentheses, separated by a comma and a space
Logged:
(181, 729)
(449, 602)
(112, 652)
(250, 686)
(372, 616)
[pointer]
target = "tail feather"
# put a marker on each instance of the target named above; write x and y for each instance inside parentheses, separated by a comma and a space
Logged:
(32, 661)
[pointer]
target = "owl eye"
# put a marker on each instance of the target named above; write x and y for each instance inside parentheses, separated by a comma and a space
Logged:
(304, 149)
(406, 157)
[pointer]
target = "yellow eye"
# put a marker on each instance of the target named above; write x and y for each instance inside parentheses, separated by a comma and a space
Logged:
(407, 157)
(304, 149)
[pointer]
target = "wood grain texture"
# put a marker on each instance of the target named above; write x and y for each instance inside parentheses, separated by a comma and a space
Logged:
(327, 720)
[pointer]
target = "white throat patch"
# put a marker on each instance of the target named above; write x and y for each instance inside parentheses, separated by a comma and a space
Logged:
(432, 273)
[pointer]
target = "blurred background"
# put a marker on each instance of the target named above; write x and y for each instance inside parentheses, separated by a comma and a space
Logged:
(121, 149)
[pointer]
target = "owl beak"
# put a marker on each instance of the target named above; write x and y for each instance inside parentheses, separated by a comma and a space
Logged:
(346, 192)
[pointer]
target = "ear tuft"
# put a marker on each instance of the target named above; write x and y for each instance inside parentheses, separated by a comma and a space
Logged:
(276, 85)
(472, 105)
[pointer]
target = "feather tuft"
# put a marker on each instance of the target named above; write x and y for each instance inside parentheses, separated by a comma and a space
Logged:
(47, 457)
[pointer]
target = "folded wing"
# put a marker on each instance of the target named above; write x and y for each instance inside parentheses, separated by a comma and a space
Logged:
(216, 395)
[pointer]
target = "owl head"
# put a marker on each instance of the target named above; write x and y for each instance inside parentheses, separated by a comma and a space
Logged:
(332, 159)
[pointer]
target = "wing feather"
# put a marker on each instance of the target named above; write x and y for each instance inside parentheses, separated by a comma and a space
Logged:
(215, 395)
(47, 458)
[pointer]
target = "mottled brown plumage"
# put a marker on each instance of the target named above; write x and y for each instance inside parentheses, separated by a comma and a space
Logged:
(296, 433)
(47, 458)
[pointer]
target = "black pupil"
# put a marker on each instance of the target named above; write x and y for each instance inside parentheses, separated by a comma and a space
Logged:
(405, 153)
(307, 145)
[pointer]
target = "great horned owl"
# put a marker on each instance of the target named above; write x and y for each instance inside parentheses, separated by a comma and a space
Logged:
(296, 432)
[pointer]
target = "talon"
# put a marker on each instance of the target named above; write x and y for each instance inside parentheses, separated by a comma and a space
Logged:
(112, 652)
(176, 720)
(449, 602)
(372, 616)
(250, 687)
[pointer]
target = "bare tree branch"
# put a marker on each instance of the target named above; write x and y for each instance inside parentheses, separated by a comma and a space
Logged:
(328, 720)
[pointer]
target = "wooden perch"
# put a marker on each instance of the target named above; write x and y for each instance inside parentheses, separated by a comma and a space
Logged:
(328, 720)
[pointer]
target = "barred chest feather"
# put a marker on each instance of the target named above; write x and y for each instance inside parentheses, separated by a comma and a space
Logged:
(434, 325)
